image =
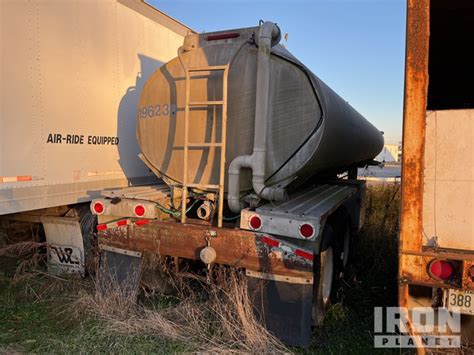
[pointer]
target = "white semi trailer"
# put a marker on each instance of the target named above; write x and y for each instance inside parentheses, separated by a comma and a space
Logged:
(71, 76)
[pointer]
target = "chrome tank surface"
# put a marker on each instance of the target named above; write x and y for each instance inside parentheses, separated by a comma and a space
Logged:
(311, 130)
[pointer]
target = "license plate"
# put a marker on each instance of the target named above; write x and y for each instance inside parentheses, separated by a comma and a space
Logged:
(460, 301)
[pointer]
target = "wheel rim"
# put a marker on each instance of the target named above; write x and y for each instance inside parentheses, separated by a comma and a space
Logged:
(345, 248)
(327, 275)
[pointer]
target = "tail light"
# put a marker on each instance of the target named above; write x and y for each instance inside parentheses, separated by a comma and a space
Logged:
(255, 222)
(98, 207)
(306, 230)
(440, 269)
(139, 210)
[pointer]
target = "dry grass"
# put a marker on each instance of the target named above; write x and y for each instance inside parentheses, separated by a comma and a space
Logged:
(21, 249)
(382, 210)
(215, 317)
(27, 253)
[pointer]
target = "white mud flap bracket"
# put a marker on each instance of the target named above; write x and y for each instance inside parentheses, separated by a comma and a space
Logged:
(65, 245)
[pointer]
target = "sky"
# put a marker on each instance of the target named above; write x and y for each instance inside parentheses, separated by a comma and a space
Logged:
(356, 46)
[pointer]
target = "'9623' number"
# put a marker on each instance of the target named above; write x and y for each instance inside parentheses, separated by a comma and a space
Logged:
(156, 110)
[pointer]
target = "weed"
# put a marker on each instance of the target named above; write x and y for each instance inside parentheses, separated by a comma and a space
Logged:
(213, 317)
(41, 313)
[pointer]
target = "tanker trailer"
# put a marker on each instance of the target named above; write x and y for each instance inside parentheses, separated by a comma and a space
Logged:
(236, 115)
(283, 122)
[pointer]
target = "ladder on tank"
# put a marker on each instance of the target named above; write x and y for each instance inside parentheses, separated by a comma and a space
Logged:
(222, 145)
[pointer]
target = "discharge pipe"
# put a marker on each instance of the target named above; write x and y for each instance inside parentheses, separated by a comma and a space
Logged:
(268, 35)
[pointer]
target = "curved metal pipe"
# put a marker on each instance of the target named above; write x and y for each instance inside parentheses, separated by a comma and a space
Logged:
(268, 35)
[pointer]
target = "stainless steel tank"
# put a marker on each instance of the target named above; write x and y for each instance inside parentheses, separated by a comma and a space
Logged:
(309, 128)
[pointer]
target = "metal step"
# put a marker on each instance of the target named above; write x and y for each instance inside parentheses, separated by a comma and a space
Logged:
(188, 145)
(210, 68)
(205, 103)
(204, 145)
(204, 186)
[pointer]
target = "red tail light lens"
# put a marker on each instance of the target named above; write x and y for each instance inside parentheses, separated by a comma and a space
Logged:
(139, 210)
(440, 269)
(255, 222)
(98, 207)
(306, 230)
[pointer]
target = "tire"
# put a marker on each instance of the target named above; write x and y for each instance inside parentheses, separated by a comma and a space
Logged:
(88, 223)
(342, 249)
(324, 277)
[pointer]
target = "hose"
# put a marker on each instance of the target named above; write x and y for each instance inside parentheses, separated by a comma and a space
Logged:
(175, 213)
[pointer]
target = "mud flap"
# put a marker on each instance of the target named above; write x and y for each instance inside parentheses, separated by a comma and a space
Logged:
(284, 304)
(119, 271)
(65, 245)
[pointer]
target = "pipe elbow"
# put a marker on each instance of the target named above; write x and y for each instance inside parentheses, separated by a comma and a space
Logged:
(269, 31)
(235, 205)
(271, 193)
(233, 194)
(242, 161)
(278, 194)
(268, 193)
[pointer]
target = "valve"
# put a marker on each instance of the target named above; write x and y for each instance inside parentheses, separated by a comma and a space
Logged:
(205, 211)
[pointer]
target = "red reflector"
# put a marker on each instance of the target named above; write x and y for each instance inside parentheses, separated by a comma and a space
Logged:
(122, 223)
(304, 254)
(441, 269)
(255, 222)
(102, 227)
(141, 222)
(139, 210)
(270, 242)
(306, 230)
(98, 207)
(222, 36)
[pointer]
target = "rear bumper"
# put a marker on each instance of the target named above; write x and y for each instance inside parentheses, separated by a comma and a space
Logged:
(280, 275)
(413, 268)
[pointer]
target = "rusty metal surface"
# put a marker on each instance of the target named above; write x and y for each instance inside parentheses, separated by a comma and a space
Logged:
(444, 254)
(420, 275)
(414, 110)
(416, 80)
(234, 247)
(414, 258)
(467, 276)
